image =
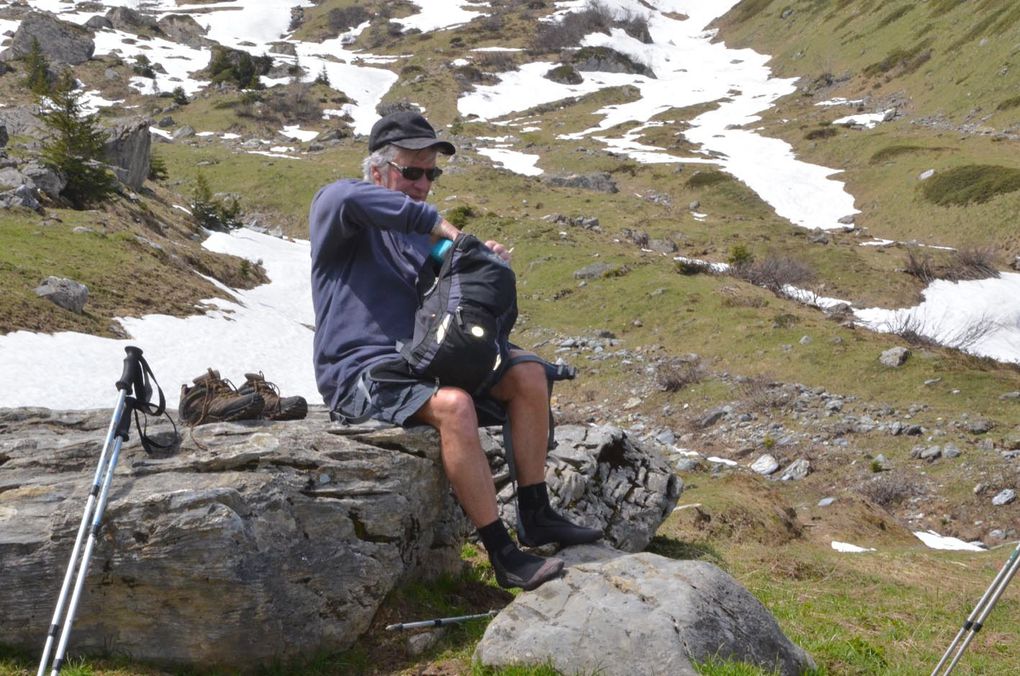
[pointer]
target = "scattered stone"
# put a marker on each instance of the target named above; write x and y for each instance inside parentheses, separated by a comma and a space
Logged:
(598, 181)
(683, 612)
(980, 488)
(894, 357)
(712, 417)
(847, 220)
(913, 430)
(805, 340)
(1004, 497)
(929, 453)
(932, 381)
(765, 465)
(819, 236)
(825, 502)
(694, 206)
(950, 451)
(926, 174)
(797, 470)
(881, 462)
(980, 426)
(594, 271)
(183, 132)
(66, 293)
(1011, 396)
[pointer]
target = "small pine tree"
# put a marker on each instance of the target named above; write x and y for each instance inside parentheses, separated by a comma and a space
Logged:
(37, 77)
(75, 147)
(180, 96)
(157, 168)
(203, 210)
(323, 77)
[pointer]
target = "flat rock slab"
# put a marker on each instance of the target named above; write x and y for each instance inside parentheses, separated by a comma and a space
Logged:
(628, 614)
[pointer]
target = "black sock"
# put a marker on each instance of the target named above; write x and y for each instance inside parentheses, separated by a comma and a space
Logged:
(505, 556)
(532, 498)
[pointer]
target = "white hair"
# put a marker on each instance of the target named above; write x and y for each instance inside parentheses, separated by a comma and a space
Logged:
(379, 158)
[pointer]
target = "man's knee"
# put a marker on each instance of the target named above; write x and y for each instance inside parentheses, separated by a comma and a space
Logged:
(526, 379)
(451, 406)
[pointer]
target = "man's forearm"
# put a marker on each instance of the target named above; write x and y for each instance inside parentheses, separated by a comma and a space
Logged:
(444, 229)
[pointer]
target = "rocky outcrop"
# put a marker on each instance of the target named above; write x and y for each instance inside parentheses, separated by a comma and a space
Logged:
(606, 60)
(131, 20)
(61, 42)
(638, 614)
(127, 150)
(214, 551)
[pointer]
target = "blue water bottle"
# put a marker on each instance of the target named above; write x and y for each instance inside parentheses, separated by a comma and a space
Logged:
(439, 250)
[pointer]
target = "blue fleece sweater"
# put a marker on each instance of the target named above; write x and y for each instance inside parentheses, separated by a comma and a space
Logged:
(368, 243)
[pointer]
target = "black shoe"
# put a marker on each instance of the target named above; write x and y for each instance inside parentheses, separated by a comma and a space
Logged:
(545, 526)
(514, 568)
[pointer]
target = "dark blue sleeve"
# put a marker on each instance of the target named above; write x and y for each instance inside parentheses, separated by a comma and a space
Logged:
(342, 209)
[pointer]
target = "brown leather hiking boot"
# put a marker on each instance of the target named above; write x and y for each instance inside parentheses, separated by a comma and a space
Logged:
(277, 407)
(213, 399)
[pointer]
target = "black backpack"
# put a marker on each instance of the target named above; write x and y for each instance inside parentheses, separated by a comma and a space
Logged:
(466, 309)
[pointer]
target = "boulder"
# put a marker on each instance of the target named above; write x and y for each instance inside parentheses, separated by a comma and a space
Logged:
(61, 42)
(127, 150)
(184, 29)
(257, 541)
(98, 23)
(131, 20)
(66, 293)
(606, 60)
(638, 614)
(22, 120)
(601, 478)
(22, 196)
(44, 178)
(894, 357)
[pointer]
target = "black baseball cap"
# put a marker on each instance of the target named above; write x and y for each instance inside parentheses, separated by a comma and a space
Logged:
(406, 129)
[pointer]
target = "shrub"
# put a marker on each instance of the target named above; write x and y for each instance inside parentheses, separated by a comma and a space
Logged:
(701, 179)
(1008, 103)
(740, 255)
(920, 265)
(974, 263)
(594, 18)
(687, 266)
(888, 490)
(564, 74)
(157, 168)
(827, 131)
(210, 212)
(237, 67)
(37, 74)
(970, 184)
(143, 67)
(75, 147)
(774, 273)
(180, 97)
(674, 375)
(459, 215)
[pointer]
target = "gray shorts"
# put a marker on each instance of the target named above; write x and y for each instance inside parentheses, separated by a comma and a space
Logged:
(389, 392)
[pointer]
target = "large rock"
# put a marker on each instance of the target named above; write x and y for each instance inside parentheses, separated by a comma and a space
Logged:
(184, 29)
(598, 181)
(603, 479)
(639, 614)
(245, 544)
(128, 149)
(61, 42)
(251, 541)
(66, 293)
(131, 20)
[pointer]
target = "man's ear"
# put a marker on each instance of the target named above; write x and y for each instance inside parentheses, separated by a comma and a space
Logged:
(377, 176)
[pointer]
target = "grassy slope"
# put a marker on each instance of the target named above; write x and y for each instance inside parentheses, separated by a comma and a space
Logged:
(881, 613)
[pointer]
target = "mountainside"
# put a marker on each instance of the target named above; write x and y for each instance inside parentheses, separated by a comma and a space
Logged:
(597, 146)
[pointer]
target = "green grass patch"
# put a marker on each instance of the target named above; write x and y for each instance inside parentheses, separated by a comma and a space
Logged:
(971, 184)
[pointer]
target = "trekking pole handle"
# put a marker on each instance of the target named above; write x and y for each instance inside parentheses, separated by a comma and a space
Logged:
(132, 374)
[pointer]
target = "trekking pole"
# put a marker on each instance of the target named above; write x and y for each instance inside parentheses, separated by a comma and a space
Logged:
(131, 378)
(977, 616)
(439, 621)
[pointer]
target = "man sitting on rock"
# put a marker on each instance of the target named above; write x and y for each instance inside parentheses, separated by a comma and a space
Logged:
(369, 239)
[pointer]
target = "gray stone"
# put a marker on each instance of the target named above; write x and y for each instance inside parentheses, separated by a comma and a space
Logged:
(98, 23)
(950, 451)
(184, 29)
(796, 470)
(825, 502)
(131, 20)
(926, 174)
(847, 220)
(61, 42)
(1004, 497)
(23, 196)
(593, 271)
(127, 150)
(66, 293)
(712, 417)
(638, 614)
(4, 137)
(765, 465)
(894, 357)
(598, 182)
(44, 178)
(183, 132)
(928, 453)
(980, 426)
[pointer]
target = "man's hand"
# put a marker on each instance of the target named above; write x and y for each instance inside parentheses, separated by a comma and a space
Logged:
(499, 250)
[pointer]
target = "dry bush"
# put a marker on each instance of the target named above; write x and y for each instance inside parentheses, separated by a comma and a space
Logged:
(496, 62)
(762, 393)
(919, 330)
(774, 273)
(889, 490)
(675, 374)
(920, 265)
(594, 18)
(973, 263)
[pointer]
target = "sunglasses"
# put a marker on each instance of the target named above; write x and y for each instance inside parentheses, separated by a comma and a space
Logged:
(414, 173)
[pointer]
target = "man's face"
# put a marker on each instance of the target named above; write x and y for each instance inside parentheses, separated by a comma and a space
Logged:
(390, 177)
